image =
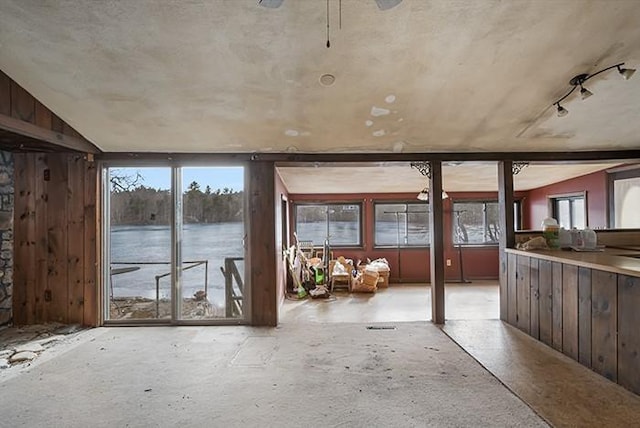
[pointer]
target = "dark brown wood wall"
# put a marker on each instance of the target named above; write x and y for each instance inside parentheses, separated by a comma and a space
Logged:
(589, 315)
(55, 239)
(27, 125)
(262, 252)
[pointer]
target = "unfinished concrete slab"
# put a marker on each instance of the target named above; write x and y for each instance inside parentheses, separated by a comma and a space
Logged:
(404, 374)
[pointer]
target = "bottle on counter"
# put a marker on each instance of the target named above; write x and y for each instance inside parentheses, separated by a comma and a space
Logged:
(551, 232)
(564, 238)
(589, 239)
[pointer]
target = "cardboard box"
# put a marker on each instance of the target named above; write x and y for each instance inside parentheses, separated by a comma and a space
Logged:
(370, 278)
(383, 279)
(358, 285)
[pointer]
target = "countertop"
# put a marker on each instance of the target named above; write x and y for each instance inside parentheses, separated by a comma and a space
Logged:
(612, 259)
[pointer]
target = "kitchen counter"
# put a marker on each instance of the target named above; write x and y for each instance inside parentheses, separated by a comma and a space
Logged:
(614, 260)
(583, 304)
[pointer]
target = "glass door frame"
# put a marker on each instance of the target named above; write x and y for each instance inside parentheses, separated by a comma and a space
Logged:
(176, 242)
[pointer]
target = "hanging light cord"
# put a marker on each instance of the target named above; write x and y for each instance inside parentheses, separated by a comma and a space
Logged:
(328, 42)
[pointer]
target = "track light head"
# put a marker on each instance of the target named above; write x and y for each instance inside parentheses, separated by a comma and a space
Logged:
(562, 111)
(585, 93)
(271, 4)
(626, 73)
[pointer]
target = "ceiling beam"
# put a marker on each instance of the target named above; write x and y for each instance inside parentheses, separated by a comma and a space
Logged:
(30, 131)
(200, 158)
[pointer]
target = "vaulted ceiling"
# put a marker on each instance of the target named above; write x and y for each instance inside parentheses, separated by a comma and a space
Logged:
(424, 76)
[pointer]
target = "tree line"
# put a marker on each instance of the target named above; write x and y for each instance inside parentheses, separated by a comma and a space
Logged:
(141, 205)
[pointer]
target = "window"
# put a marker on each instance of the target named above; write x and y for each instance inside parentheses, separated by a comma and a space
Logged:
(517, 215)
(476, 223)
(569, 210)
(624, 198)
(339, 223)
(402, 224)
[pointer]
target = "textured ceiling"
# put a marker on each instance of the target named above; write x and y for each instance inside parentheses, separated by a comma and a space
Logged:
(230, 76)
(400, 177)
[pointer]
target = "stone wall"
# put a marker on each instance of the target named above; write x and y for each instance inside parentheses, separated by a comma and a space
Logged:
(6, 237)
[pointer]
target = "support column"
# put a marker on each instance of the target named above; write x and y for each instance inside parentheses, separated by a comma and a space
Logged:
(507, 230)
(436, 233)
(261, 241)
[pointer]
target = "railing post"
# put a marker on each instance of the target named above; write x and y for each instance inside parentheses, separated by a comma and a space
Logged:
(157, 296)
(206, 280)
(228, 288)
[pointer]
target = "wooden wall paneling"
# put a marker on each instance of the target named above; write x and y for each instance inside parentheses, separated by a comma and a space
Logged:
(545, 285)
(604, 324)
(91, 315)
(57, 236)
(24, 241)
(42, 236)
(43, 115)
(23, 105)
(534, 298)
(57, 124)
(584, 316)
(614, 237)
(504, 288)
(75, 238)
(512, 290)
(507, 238)
(556, 280)
(628, 332)
(570, 310)
(523, 293)
(68, 130)
(5, 94)
(262, 244)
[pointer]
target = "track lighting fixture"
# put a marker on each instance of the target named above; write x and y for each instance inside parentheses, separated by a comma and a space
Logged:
(626, 73)
(579, 80)
(561, 110)
(585, 93)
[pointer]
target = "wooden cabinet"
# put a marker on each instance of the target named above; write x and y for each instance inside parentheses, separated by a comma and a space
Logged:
(628, 332)
(589, 315)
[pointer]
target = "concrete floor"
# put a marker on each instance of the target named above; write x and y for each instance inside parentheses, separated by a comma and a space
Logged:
(320, 369)
(314, 375)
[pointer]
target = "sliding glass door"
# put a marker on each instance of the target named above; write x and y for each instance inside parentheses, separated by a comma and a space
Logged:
(212, 252)
(174, 244)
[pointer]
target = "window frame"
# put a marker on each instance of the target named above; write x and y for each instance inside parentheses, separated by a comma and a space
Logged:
(406, 203)
(552, 201)
(453, 222)
(625, 172)
(359, 204)
(517, 214)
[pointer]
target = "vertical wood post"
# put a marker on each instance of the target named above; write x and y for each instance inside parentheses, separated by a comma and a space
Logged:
(436, 232)
(261, 234)
(507, 232)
